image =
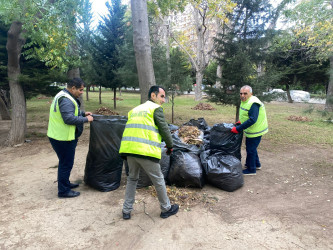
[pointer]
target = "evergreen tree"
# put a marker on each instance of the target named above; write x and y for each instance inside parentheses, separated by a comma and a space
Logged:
(292, 65)
(85, 36)
(180, 78)
(128, 72)
(240, 50)
(111, 32)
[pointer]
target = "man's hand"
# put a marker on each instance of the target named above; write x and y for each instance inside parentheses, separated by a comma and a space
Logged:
(234, 130)
(238, 123)
(87, 113)
(169, 151)
(90, 118)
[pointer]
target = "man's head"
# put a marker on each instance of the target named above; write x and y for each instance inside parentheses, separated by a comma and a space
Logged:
(245, 93)
(75, 87)
(157, 94)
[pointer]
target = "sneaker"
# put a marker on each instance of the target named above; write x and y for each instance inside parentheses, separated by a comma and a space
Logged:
(126, 216)
(247, 172)
(173, 210)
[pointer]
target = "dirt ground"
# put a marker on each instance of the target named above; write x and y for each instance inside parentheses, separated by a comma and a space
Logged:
(287, 205)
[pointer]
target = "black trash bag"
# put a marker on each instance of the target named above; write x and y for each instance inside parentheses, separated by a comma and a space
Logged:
(179, 145)
(200, 123)
(104, 164)
(185, 170)
(173, 128)
(222, 171)
(226, 142)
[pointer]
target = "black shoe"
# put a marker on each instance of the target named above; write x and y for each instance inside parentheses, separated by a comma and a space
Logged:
(73, 185)
(70, 194)
(173, 210)
(126, 216)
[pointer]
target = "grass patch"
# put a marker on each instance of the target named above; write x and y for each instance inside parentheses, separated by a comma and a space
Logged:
(281, 130)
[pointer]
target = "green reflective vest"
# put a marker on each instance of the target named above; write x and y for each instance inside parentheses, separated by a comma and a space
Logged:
(141, 135)
(261, 126)
(57, 128)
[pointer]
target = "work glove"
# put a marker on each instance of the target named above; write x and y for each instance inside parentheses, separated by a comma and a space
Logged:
(169, 151)
(238, 123)
(234, 130)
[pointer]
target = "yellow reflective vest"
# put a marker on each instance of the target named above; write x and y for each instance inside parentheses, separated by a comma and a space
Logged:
(57, 128)
(141, 135)
(260, 127)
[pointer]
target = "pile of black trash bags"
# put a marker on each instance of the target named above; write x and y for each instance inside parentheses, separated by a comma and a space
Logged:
(216, 161)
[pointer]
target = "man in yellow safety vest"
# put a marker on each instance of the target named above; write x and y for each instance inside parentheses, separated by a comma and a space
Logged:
(141, 145)
(65, 126)
(253, 121)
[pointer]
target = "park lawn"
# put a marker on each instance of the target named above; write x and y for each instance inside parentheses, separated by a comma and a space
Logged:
(282, 131)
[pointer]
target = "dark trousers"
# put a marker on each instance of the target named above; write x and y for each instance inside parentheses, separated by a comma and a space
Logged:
(66, 152)
(252, 158)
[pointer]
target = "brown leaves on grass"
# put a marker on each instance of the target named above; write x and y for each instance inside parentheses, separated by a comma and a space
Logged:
(105, 111)
(203, 106)
(185, 197)
(190, 135)
(299, 118)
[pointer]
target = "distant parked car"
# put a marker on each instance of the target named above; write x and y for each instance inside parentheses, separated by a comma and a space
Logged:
(300, 95)
(296, 95)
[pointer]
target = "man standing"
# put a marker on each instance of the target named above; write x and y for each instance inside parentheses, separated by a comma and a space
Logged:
(65, 126)
(253, 121)
(141, 145)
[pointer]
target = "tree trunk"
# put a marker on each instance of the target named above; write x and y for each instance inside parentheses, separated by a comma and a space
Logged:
(200, 60)
(329, 95)
(100, 94)
(4, 113)
(142, 48)
(198, 85)
(237, 112)
(290, 100)
(218, 76)
(167, 47)
(14, 46)
(115, 98)
(172, 106)
(87, 92)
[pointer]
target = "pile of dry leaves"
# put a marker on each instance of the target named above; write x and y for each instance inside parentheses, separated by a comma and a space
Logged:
(190, 135)
(105, 111)
(185, 197)
(203, 106)
(299, 118)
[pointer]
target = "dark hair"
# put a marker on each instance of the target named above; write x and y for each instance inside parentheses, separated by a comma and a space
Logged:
(76, 82)
(154, 89)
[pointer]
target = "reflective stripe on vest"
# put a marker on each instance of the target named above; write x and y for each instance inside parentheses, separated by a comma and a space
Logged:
(260, 127)
(141, 135)
(57, 128)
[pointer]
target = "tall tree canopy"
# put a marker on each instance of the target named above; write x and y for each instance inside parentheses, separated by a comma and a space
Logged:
(241, 51)
(47, 26)
(110, 38)
(313, 22)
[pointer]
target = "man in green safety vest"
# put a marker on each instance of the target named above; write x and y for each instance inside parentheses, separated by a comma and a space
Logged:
(253, 121)
(141, 145)
(65, 126)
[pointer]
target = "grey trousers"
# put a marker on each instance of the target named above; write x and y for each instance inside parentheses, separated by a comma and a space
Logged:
(153, 170)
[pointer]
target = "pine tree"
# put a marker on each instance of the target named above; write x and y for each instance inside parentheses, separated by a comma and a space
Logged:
(111, 32)
(240, 50)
